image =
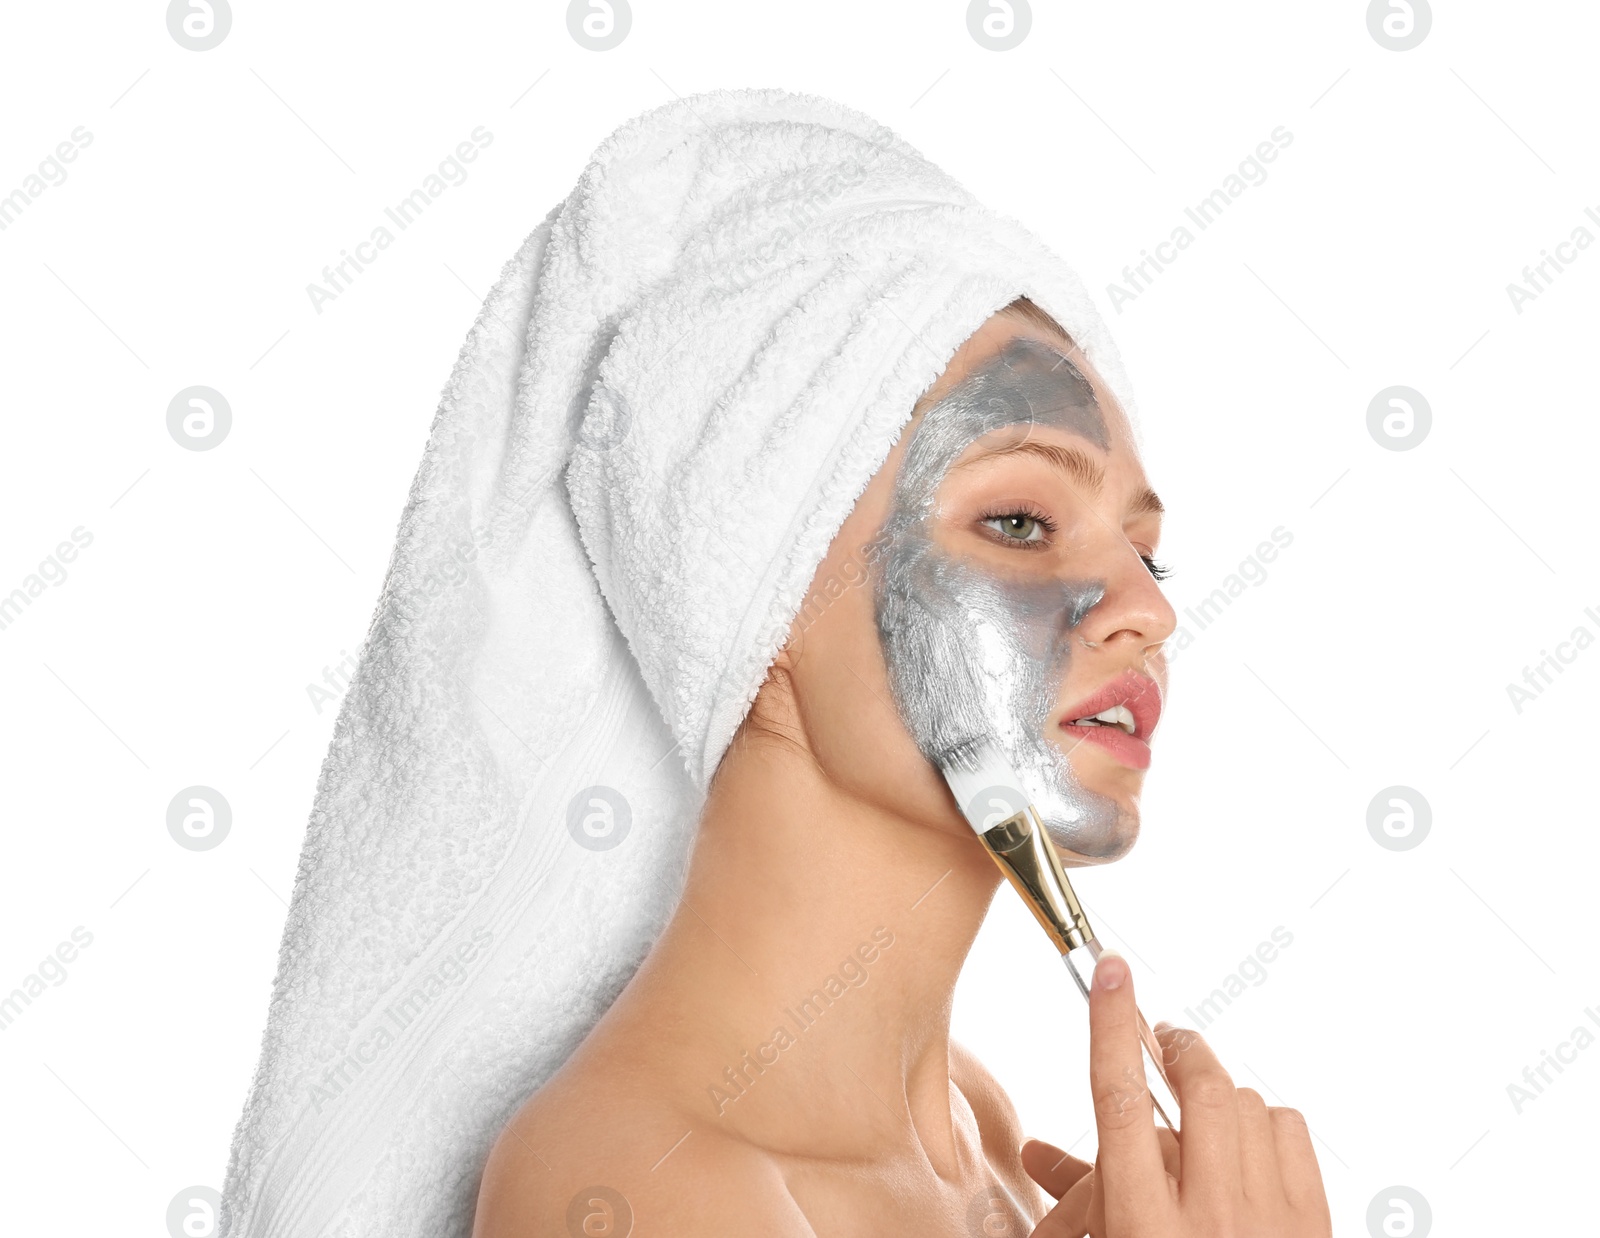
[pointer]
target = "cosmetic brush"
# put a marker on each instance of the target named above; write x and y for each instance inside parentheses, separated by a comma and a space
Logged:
(990, 796)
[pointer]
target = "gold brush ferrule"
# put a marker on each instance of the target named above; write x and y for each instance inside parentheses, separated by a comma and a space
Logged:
(1023, 851)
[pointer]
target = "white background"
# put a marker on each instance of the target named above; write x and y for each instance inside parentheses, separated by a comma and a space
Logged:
(1376, 652)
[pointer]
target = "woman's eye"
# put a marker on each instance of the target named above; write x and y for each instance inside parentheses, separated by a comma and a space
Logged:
(1017, 527)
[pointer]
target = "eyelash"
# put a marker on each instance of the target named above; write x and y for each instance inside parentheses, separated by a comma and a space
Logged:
(1025, 510)
(1158, 570)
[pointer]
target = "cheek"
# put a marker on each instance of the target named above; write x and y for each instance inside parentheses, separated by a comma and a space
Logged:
(841, 690)
(939, 646)
(846, 711)
(971, 653)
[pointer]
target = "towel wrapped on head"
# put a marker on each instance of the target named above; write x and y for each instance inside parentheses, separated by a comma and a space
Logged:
(669, 403)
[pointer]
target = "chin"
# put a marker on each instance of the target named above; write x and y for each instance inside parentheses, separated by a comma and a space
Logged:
(1106, 843)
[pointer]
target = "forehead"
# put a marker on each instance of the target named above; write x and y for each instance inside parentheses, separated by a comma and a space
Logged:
(1014, 372)
(1020, 387)
(1025, 386)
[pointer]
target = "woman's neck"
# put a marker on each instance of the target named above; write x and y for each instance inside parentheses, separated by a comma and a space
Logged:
(807, 976)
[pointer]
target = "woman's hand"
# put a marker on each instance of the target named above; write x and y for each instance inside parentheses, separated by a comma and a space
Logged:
(1239, 1168)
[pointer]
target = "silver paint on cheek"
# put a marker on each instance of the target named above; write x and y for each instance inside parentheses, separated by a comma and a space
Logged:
(970, 651)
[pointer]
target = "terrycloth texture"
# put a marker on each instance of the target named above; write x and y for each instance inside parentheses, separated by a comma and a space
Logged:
(669, 403)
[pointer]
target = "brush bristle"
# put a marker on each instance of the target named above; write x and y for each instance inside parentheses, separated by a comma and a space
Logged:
(964, 756)
(973, 769)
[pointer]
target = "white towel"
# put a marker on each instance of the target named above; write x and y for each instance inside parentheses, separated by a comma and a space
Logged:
(666, 408)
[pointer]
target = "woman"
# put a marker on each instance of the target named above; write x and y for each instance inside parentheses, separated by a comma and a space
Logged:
(827, 836)
(646, 686)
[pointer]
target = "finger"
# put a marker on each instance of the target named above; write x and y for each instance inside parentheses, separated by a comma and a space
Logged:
(1209, 1138)
(1297, 1161)
(1056, 1171)
(1078, 1200)
(1258, 1151)
(1131, 1174)
(1071, 1217)
(1169, 1151)
(1096, 1221)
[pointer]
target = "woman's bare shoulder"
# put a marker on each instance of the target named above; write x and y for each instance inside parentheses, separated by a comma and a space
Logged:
(590, 1153)
(998, 1124)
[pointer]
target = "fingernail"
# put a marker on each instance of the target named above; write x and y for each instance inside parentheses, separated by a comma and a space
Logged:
(1111, 971)
(1161, 1025)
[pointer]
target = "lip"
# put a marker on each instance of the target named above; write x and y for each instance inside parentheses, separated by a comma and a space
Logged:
(1142, 696)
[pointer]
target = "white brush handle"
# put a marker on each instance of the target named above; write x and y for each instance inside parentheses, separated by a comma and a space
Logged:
(1080, 963)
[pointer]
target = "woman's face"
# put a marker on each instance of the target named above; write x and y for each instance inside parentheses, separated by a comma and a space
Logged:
(987, 585)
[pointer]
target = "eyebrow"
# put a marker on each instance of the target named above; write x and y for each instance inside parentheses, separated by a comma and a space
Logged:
(1076, 465)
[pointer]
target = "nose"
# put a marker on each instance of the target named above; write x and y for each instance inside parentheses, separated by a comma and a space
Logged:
(1133, 612)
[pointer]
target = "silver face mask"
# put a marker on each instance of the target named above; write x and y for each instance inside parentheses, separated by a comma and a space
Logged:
(973, 652)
